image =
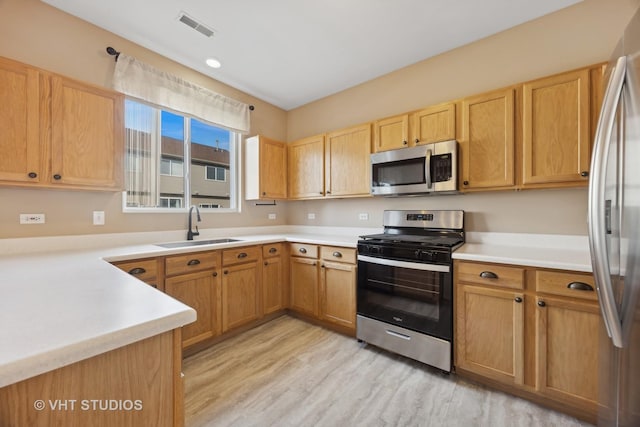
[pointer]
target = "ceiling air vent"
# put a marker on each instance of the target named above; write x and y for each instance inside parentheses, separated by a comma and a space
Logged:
(198, 26)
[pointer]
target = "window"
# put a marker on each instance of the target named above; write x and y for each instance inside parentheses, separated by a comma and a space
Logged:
(216, 173)
(175, 161)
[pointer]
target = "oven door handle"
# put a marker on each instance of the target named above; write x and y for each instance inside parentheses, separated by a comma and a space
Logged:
(405, 264)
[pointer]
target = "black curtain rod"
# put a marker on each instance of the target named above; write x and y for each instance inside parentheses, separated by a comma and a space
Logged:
(111, 51)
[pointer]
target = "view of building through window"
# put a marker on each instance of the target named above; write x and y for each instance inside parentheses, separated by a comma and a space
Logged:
(157, 174)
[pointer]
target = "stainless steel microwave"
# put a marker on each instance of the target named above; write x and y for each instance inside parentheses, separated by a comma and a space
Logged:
(429, 168)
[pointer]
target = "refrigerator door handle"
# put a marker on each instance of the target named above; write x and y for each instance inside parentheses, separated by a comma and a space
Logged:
(596, 214)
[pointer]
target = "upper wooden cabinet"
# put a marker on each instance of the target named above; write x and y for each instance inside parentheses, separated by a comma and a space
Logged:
(433, 124)
(306, 168)
(487, 142)
(391, 133)
(265, 169)
(556, 135)
(19, 123)
(87, 135)
(347, 162)
(335, 165)
(59, 132)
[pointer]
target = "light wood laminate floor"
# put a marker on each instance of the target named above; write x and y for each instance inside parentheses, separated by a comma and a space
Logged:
(291, 373)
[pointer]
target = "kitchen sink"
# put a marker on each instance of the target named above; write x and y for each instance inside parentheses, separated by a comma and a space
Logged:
(187, 243)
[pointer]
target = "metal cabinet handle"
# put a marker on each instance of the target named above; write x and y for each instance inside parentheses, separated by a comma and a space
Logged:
(266, 263)
(272, 250)
(580, 286)
(153, 285)
(57, 176)
(404, 142)
(226, 272)
(322, 265)
(488, 275)
(33, 175)
(193, 262)
(137, 270)
(584, 174)
(242, 255)
(215, 274)
(518, 300)
(465, 182)
(302, 250)
(417, 140)
(541, 303)
(337, 254)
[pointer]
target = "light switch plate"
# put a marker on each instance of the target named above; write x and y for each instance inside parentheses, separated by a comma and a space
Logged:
(98, 217)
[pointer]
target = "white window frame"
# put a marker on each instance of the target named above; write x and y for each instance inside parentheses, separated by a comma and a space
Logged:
(233, 174)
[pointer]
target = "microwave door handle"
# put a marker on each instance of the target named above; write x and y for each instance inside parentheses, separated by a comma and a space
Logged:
(427, 168)
(596, 208)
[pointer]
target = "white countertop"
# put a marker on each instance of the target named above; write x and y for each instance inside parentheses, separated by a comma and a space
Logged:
(62, 302)
(535, 250)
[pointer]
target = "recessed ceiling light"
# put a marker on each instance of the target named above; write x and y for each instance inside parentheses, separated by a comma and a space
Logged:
(213, 63)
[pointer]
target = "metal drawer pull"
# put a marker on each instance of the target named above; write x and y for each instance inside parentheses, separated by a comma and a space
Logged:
(273, 250)
(302, 250)
(242, 255)
(337, 254)
(137, 270)
(398, 335)
(580, 286)
(518, 300)
(488, 275)
(153, 285)
(541, 303)
(193, 262)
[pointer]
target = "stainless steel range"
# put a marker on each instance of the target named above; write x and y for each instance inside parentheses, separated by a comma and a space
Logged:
(405, 284)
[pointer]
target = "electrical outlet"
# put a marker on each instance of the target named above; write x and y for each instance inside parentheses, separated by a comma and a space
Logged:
(311, 216)
(98, 217)
(32, 218)
(363, 216)
(272, 216)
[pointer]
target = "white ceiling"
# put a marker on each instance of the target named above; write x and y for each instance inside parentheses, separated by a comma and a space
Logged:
(291, 52)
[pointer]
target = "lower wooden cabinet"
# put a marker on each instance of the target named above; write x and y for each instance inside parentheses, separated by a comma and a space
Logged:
(533, 330)
(338, 286)
(274, 290)
(240, 287)
(200, 291)
(304, 285)
(490, 333)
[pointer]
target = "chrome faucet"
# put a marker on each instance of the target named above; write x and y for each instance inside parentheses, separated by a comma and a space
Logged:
(191, 233)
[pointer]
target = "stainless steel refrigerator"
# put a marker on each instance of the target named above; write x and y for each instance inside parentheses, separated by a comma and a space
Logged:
(614, 233)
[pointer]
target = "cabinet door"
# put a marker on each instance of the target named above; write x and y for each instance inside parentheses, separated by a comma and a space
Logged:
(304, 285)
(555, 124)
(87, 135)
(201, 291)
(273, 297)
(338, 295)
(19, 123)
(347, 163)
(434, 124)
(273, 169)
(239, 295)
(567, 351)
(490, 333)
(487, 142)
(391, 133)
(306, 168)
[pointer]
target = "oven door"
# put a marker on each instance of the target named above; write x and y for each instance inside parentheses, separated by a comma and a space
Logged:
(416, 296)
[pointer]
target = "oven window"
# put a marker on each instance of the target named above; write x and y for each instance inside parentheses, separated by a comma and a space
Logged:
(402, 172)
(415, 299)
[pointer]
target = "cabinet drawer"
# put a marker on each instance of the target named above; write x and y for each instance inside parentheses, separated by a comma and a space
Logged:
(145, 269)
(237, 255)
(573, 285)
(491, 274)
(304, 250)
(194, 261)
(335, 253)
(273, 249)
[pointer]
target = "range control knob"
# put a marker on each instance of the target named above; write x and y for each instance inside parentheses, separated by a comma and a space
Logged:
(423, 255)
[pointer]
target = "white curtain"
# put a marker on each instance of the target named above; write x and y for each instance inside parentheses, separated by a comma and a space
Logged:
(145, 82)
(142, 155)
